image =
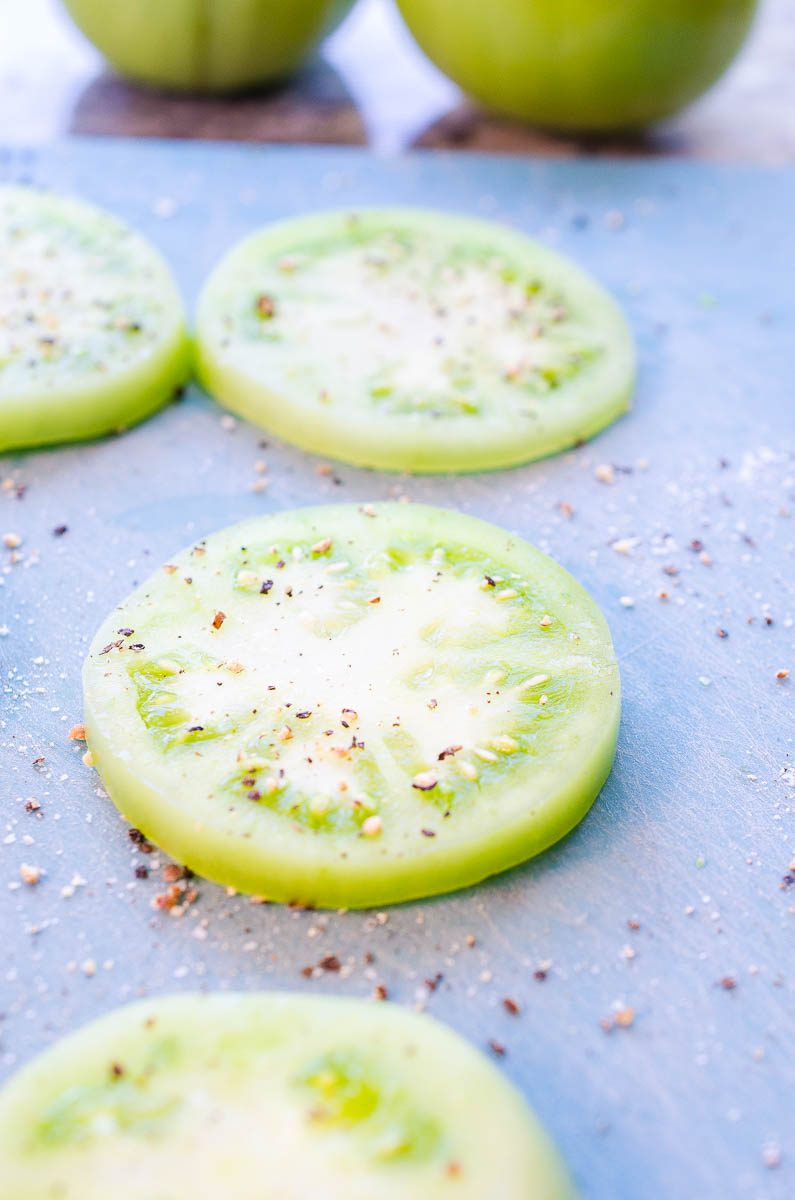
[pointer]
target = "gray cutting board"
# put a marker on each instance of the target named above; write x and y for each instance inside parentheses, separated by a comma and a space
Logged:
(692, 837)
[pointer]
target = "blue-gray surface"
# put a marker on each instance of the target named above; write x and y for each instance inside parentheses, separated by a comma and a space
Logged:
(673, 897)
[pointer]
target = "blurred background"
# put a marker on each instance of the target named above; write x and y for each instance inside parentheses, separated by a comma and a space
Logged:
(370, 84)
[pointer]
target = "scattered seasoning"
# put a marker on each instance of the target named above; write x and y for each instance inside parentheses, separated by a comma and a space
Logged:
(331, 963)
(380, 992)
(728, 983)
(29, 874)
(266, 587)
(605, 473)
(448, 752)
(138, 839)
(372, 826)
(219, 619)
(88, 759)
(12, 541)
(425, 781)
(60, 530)
(622, 1018)
(429, 833)
(323, 546)
(545, 621)
(265, 306)
(497, 1048)
(77, 733)
(172, 872)
(511, 1006)
(782, 673)
(177, 897)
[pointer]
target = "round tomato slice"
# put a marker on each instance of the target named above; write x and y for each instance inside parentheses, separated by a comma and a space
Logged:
(92, 331)
(270, 1097)
(412, 340)
(348, 706)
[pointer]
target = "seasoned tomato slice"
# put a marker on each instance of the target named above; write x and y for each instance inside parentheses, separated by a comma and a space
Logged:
(413, 340)
(269, 1097)
(92, 331)
(353, 706)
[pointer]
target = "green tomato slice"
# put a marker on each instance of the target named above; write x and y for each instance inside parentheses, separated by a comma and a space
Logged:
(413, 340)
(349, 707)
(92, 331)
(269, 1097)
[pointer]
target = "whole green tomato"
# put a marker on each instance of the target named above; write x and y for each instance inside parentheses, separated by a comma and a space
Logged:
(581, 64)
(206, 45)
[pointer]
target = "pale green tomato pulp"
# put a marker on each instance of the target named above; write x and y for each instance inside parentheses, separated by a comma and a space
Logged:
(413, 340)
(351, 707)
(92, 330)
(269, 1097)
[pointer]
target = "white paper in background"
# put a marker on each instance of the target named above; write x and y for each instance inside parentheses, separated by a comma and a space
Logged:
(398, 91)
(45, 63)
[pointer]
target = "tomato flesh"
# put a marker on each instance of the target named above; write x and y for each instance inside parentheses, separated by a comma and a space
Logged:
(92, 331)
(269, 1097)
(412, 340)
(349, 707)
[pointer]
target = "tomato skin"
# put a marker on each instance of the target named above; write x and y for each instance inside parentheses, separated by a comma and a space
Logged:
(116, 384)
(364, 437)
(210, 1094)
(174, 801)
(189, 45)
(585, 65)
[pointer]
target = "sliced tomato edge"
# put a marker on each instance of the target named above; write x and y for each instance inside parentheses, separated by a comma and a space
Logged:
(32, 419)
(323, 880)
(399, 449)
(120, 1030)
